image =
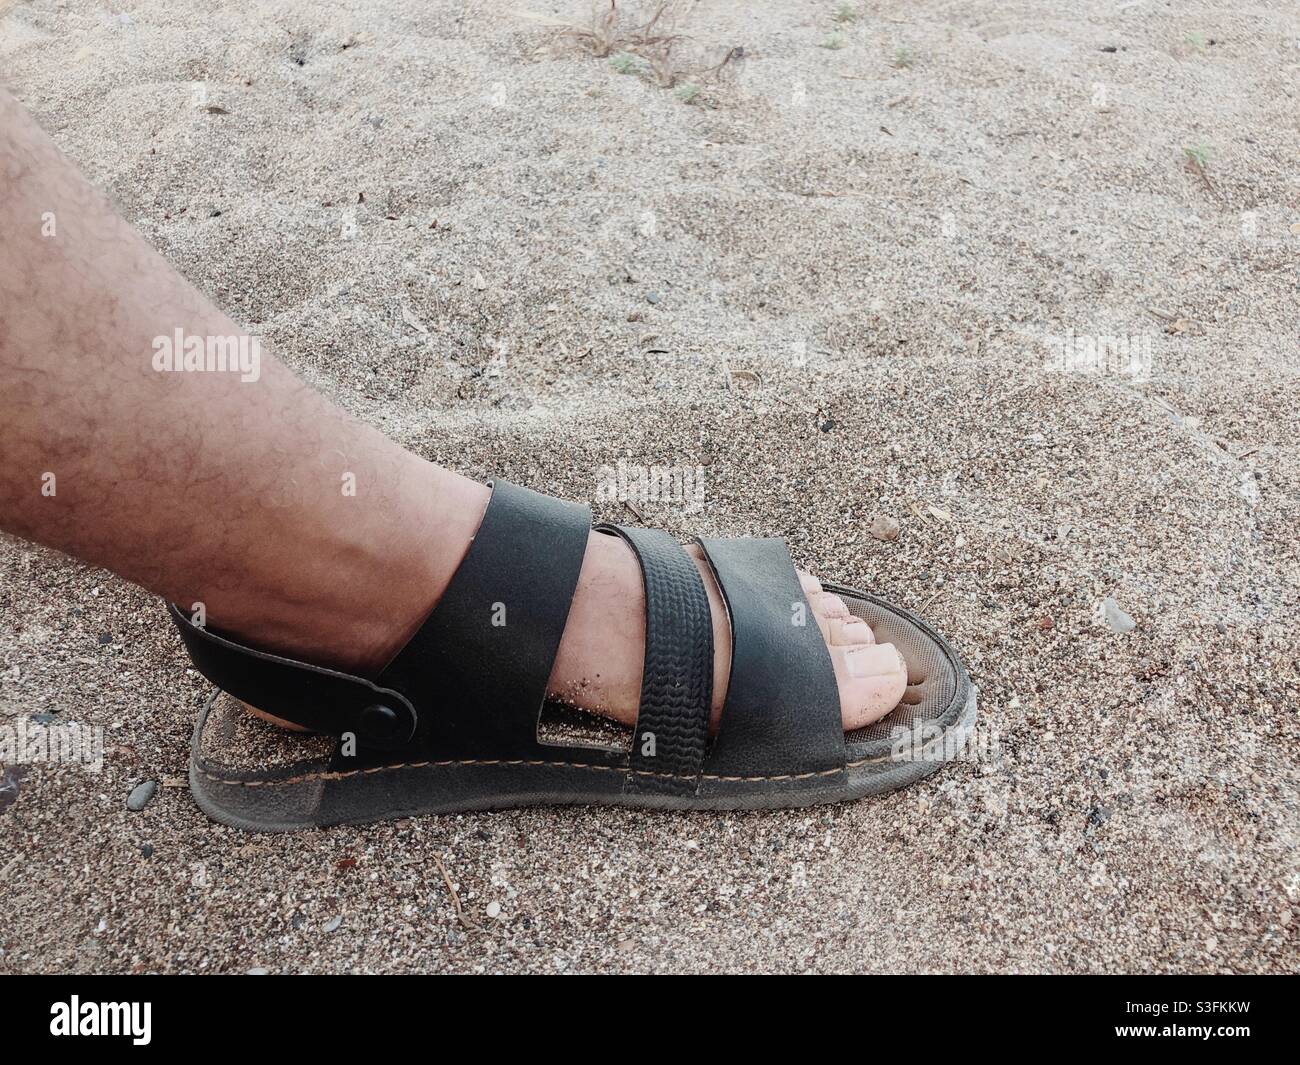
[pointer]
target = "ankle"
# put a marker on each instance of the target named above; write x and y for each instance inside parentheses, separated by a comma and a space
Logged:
(353, 583)
(420, 547)
(442, 519)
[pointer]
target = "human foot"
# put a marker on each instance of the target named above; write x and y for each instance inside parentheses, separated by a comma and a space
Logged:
(599, 664)
(450, 723)
(601, 655)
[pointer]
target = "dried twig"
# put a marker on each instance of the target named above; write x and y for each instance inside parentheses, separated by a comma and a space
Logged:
(610, 31)
(930, 602)
(1197, 158)
(733, 55)
(459, 910)
(606, 31)
(602, 35)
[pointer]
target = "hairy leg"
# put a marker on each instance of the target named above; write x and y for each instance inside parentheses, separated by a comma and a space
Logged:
(200, 486)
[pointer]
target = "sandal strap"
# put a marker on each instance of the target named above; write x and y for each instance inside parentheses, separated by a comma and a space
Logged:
(472, 680)
(479, 665)
(782, 714)
(318, 699)
(672, 724)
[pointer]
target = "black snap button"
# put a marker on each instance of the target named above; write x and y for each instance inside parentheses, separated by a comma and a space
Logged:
(380, 722)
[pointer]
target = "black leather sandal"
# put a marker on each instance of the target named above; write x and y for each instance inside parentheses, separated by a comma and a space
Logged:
(453, 723)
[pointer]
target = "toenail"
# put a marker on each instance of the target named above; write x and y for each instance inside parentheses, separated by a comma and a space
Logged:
(875, 660)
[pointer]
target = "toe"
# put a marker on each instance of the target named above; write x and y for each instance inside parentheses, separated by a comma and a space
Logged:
(872, 679)
(810, 584)
(827, 605)
(847, 632)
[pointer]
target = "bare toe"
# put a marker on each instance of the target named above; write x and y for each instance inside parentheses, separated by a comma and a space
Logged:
(872, 679)
(828, 605)
(848, 631)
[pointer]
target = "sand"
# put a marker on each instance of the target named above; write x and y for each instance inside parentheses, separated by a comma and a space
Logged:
(831, 276)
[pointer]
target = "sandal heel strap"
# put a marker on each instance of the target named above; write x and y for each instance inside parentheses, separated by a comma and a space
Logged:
(318, 699)
(472, 680)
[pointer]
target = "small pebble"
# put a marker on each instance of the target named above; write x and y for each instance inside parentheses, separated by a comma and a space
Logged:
(258, 971)
(332, 925)
(141, 794)
(1115, 617)
(883, 527)
(146, 851)
(494, 910)
(9, 777)
(652, 297)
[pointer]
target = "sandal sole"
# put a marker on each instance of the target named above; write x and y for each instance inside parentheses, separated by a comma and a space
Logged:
(913, 741)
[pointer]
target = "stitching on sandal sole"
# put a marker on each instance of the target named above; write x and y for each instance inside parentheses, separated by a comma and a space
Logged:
(520, 761)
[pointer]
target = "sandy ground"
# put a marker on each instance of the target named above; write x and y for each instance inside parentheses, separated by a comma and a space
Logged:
(829, 275)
